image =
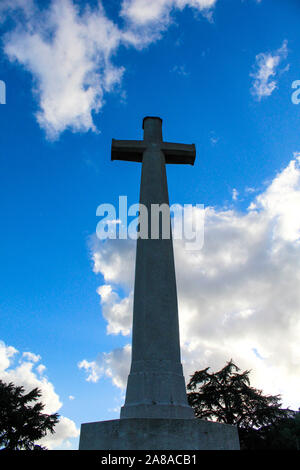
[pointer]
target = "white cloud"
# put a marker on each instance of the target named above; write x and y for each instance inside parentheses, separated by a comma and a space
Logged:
(31, 356)
(64, 430)
(117, 364)
(115, 263)
(92, 368)
(69, 56)
(41, 368)
(143, 12)
(236, 296)
(25, 375)
(117, 311)
(235, 194)
(6, 355)
(114, 365)
(117, 266)
(282, 202)
(69, 52)
(265, 74)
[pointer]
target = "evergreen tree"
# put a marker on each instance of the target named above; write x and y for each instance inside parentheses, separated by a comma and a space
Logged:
(22, 422)
(227, 397)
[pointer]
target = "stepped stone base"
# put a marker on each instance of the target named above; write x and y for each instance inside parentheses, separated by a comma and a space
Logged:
(158, 434)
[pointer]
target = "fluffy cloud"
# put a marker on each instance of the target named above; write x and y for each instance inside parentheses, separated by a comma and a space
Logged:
(265, 74)
(115, 263)
(69, 52)
(64, 430)
(282, 202)
(143, 12)
(238, 297)
(30, 375)
(70, 58)
(32, 357)
(93, 369)
(114, 364)
(117, 311)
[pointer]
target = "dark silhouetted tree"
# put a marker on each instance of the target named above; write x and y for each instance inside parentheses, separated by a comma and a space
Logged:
(227, 397)
(22, 422)
(284, 434)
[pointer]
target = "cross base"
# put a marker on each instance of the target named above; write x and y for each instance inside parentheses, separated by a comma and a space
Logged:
(156, 389)
(158, 434)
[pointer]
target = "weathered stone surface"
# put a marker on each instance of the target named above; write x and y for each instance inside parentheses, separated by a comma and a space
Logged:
(158, 434)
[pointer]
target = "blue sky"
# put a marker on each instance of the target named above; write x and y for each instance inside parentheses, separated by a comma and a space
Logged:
(219, 73)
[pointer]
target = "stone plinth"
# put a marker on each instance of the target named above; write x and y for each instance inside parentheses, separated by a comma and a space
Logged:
(158, 434)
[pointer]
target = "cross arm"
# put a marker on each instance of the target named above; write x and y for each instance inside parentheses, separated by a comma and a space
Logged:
(128, 150)
(179, 153)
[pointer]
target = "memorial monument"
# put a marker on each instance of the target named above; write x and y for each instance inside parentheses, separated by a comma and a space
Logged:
(156, 414)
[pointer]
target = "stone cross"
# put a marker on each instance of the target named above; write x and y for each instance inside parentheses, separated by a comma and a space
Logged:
(156, 414)
(156, 386)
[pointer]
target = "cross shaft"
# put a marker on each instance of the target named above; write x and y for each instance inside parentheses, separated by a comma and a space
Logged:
(155, 387)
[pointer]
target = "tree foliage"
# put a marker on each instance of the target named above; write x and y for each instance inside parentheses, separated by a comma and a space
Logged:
(227, 397)
(285, 434)
(22, 422)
